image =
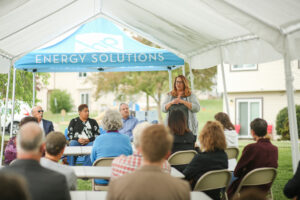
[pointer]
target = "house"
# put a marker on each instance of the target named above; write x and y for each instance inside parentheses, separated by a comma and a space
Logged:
(257, 90)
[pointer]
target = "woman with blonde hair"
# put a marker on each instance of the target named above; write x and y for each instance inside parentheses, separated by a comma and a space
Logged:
(211, 157)
(229, 129)
(181, 98)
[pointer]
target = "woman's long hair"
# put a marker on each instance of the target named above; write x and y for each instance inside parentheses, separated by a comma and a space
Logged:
(223, 118)
(186, 88)
(177, 122)
(212, 137)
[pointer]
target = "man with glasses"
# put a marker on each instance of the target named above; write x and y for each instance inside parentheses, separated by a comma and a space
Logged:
(46, 126)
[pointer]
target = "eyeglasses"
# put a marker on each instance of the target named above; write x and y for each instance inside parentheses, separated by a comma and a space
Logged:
(179, 82)
(40, 111)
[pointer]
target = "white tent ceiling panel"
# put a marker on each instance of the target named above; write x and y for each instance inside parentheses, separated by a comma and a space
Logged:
(277, 13)
(190, 26)
(41, 30)
(27, 14)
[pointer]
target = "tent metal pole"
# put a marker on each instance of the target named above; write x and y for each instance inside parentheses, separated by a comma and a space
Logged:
(5, 115)
(191, 75)
(225, 89)
(33, 89)
(291, 111)
(224, 84)
(13, 102)
(183, 70)
(170, 80)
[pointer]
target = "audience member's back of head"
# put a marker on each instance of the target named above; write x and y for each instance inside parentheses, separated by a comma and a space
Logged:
(55, 143)
(137, 132)
(13, 187)
(177, 122)
(259, 126)
(224, 119)
(156, 143)
(112, 120)
(26, 120)
(30, 138)
(212, 137)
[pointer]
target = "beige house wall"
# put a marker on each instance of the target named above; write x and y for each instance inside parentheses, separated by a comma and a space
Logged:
(272, 103)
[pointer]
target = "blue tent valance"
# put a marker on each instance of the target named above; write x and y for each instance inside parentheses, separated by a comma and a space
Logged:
(98, 46)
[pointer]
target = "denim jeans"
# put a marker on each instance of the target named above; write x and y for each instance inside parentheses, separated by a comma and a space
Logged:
(72, 159)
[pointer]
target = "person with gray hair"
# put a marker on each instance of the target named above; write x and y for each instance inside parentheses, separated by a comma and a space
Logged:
(112, 143)
(129, 122)
(55, 147)
(127, 164)
(42, 183)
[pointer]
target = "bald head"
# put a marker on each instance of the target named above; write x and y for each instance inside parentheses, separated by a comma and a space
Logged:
(37, 112)
(30, 138)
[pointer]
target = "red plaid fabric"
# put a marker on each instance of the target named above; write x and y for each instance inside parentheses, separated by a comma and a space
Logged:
(127, 164)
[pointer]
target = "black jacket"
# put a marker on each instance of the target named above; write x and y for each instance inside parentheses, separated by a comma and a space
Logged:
(184, 142)
(291, 189)
(76, 126)
(205, 162)
(43, 184)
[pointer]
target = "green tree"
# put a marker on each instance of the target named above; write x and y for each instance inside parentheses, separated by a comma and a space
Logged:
(60, 100)
(24, 85)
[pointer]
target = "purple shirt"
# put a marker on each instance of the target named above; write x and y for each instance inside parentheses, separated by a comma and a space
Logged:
(10, 152)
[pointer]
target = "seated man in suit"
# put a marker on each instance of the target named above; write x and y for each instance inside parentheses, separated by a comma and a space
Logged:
(55, 147)
(256, 155)
(149, 181)
(42, 183)
(46, 126)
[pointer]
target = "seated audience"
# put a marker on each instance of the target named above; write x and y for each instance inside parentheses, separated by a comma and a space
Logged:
(82, 131)
(129, 122)
(10, 152)
(127, 164)
(229, 129)
(212, 157)
(55, 147)
(256, 155)
(184, 139)
(291, 189)
(42, 183)
(112, 143)
(13, 187)
(149, 181)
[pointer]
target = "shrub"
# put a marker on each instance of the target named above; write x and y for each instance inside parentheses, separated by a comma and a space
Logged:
(59, 100)
(282, 123)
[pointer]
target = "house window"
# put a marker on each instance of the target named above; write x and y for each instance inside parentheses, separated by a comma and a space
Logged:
(82, 74)
(246, 111)
(244, 67)
(84, 98)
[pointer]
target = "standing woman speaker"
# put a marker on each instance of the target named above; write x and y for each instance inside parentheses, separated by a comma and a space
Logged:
(181, 98)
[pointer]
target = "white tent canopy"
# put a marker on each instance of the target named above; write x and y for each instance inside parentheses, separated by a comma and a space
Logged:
(204, 32)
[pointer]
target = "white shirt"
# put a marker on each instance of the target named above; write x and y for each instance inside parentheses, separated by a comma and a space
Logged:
(42, 126)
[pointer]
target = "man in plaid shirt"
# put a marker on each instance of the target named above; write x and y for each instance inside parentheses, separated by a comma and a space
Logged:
(127, 164)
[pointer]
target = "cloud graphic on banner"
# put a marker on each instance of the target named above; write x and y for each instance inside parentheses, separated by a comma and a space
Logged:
(98, 42)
